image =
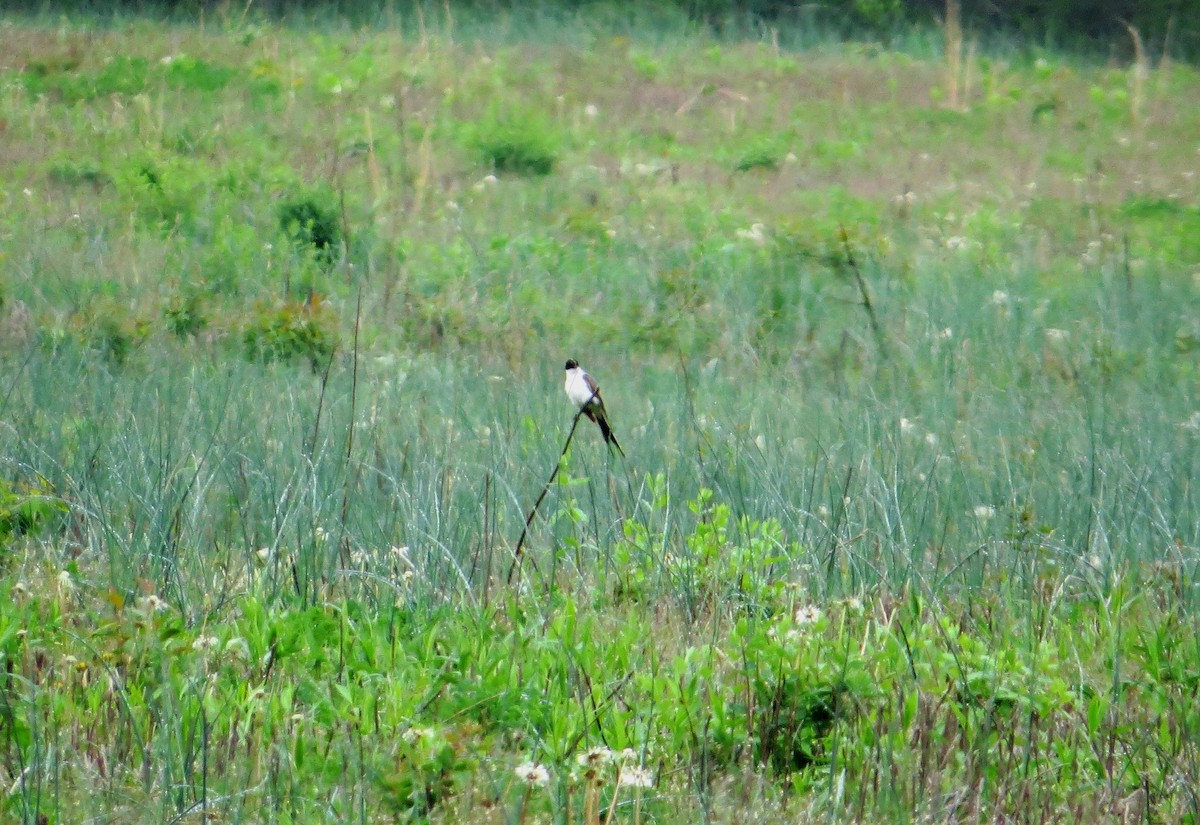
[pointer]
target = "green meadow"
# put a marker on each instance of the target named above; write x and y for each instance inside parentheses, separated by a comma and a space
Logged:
(901, 342)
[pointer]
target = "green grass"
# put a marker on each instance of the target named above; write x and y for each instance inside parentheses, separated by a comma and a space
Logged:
(908, 529)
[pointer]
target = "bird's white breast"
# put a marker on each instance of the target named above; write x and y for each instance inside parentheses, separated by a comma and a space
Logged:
(577, 388)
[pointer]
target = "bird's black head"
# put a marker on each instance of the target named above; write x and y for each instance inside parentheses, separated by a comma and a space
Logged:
(572, 363)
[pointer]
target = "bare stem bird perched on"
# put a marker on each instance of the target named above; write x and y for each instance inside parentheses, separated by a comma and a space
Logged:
(585, 393)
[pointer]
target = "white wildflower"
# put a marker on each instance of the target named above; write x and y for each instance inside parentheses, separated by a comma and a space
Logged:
(983, 512)
(532, 774)
(591, 110)
(636, 778)
(594, 757)
(153, 604)
(807, 615)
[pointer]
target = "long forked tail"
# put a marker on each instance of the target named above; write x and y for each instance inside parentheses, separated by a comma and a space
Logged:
(606, 431)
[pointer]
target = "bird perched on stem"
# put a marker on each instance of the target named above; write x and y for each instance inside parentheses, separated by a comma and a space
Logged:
(585, 394)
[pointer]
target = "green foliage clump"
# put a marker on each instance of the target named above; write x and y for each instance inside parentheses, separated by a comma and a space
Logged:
(294, 331)
(110, 329)
(312, 221)
(120, 75)
(763, 156)
(185, 314)
(72, 173)
(199, 75)
(26, 507)
(517, 143)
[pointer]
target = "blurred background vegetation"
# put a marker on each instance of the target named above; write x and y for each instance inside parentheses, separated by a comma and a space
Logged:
(1097, 26)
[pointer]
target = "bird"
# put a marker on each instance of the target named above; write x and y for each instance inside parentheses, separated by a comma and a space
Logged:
(585, 393)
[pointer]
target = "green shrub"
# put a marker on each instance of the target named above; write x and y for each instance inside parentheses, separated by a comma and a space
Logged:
(25, 507)
(521, 144)
(313, 221)
(294, 330)
(185, 315)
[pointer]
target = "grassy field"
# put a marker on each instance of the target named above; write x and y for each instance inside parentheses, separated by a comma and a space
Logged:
(908, 527)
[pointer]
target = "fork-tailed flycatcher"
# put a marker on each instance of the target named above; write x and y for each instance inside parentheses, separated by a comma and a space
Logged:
(585, 393)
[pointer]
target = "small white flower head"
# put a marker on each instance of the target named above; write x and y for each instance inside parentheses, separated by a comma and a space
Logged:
(533, 774)
(908, 426)
(65, 583)
(984, 512)
(321, 534)
(203, 643)
(485, 182)
(593, 762)
(153, 604)
(414, 735)
(27, 192)
(755, 234)
(808, 614)
(957, 242)
(931, 439)
(591, 110)
(790, 157)
(636, 778)
(596, 757)
(944, 334)
(999, 298)
(854, 604)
